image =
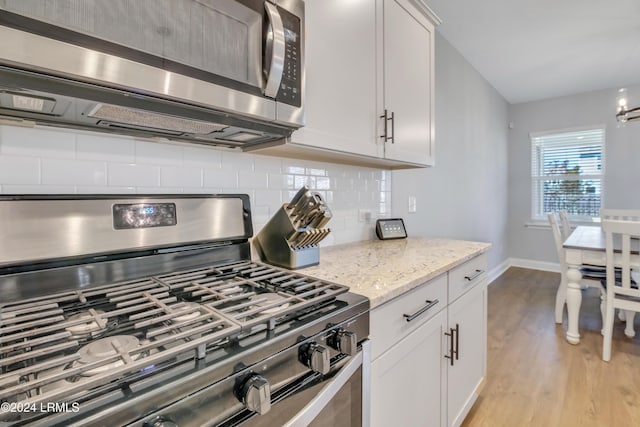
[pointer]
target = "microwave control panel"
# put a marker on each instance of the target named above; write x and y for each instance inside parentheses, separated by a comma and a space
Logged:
(291, 84)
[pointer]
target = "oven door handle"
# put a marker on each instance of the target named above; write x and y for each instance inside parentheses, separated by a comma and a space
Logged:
(274, 51)
(328, 392)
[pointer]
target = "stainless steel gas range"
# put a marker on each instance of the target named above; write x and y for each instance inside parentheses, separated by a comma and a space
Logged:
(148, 311)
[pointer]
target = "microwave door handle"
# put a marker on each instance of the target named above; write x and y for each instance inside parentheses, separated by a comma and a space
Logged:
(274, 51)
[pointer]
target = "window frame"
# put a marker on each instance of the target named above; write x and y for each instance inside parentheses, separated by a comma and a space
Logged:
(538, 177)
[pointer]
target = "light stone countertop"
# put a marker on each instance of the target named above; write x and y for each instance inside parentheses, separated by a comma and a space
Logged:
(384, 269)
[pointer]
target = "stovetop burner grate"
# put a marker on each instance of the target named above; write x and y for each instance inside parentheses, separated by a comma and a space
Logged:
(169, 316)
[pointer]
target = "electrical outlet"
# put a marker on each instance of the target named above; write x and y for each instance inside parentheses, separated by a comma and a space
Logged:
(364, 215)
(413, 208)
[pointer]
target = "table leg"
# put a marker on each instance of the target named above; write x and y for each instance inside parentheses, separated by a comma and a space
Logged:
(574, 300)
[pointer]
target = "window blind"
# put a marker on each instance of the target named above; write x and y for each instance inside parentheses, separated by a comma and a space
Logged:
(567, 170)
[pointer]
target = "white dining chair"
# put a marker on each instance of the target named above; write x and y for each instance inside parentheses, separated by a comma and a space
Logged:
(566, 225)
(587, 280)
(623, 215)
(621, 293)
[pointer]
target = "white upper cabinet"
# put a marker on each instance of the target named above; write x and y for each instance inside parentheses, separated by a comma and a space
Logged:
(364, 57)
(341, 79)
(408, 83)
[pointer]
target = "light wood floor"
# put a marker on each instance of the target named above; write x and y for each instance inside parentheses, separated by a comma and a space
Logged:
(535, 378)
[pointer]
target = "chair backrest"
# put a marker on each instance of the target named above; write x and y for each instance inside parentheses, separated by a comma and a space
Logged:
(557, 238)
(619, 238)
(566, 226)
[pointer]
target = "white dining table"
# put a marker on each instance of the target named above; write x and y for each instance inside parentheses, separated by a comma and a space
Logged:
(585, 245)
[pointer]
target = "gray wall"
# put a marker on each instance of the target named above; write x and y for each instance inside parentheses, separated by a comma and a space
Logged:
(465, 195)
(622, 156)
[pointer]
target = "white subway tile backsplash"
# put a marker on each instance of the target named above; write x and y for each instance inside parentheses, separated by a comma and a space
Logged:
(323, 183)
(172, 176)
(220, 178)
(92, 146)
(53, 161)
(37, 142)
(203, 190)
(257, 180)
(134, 175)
(316, 171)
(202, 157)
(159, 190)
(19, 170)
(157, 153)
(82, 189)
(301, 180)
(298, 170)
(267, 164)
(240, 162)
(38, 189)
(73, 172)
(280, 182)
(268, 198)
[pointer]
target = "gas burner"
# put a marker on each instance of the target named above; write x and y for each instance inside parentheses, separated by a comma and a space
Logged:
(92, 323)
(194, 312)
(267, 300)
(99, 350)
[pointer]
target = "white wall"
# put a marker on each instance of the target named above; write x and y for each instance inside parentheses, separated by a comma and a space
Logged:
(622, 154)
(55, 161)
(465, 195)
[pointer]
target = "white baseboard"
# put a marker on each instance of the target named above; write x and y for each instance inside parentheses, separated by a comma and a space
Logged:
(534, 265)
(497, 271)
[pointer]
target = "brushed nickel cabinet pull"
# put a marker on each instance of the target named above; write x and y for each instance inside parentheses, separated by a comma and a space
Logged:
(430, 304)
(450, 356)
(474, 276)
(457, 332)
(385, 117)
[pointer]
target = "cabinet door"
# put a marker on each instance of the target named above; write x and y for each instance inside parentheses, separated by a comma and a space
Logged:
(408, 82)
(407, 381)
(340, 65)
(469, 313)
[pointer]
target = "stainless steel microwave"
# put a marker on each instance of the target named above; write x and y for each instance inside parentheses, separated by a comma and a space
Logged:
(220, 71)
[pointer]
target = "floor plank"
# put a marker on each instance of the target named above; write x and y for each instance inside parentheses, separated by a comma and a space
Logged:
(535, 378)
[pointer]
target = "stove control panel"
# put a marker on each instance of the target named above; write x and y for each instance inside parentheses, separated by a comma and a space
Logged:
(316, 357)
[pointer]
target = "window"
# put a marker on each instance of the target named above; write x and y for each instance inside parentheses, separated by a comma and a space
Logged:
(567, 172)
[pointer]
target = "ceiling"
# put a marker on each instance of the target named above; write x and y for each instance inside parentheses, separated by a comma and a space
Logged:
(538, 49)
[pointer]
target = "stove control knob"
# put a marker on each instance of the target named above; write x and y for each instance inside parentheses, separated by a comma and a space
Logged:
(317, 358)
(347, 342)
(256, 394)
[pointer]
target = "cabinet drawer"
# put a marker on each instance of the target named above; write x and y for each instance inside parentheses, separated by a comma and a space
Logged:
(466, 276)
(389, 323)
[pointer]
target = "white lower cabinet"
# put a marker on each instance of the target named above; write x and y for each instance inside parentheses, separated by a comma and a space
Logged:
(426, 371)
(468, 318)
(407, 380)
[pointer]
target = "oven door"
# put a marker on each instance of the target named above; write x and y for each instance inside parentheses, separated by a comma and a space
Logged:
(341, 401)
(241, 56)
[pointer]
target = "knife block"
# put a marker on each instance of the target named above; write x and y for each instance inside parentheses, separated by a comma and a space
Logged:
(272, 243)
